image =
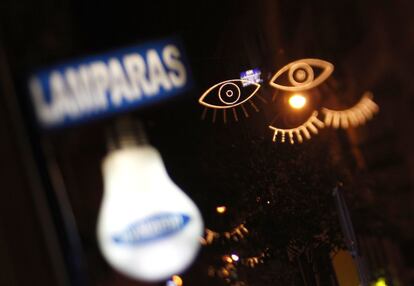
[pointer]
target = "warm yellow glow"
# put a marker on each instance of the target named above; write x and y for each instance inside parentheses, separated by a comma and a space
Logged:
(254, 260)
(221, 209)
(354, 116)
(177, 280)
(235, 234)
(225, 272)
(234, 257)
(297, 101)
(381, 282)
(227, 259)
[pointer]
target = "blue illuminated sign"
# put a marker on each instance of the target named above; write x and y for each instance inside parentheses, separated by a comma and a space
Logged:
(109, 83)
(253, 75)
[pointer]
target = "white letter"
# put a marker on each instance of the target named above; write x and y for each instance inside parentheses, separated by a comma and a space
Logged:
(135, 68)
(178, 75)
(100, 83)
(119, 84)
(78, 85)
(44, 111)
(62, 100)
(156, 72)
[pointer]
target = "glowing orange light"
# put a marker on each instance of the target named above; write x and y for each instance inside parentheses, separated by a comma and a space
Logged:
(177, 280)
(221, 209)
(297, 101)
(227, 259)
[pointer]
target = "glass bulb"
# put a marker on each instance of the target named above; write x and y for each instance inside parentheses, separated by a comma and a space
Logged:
(148, 228)
(297, 101)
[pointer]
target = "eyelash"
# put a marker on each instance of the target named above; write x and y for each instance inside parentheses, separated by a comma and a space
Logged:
(354, 116)
(236, 117)
(312, 124)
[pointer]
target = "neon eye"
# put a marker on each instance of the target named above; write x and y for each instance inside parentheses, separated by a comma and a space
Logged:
(354, 116)
(301, 75)
(228, 95)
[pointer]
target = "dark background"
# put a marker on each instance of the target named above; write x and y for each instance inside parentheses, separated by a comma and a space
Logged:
(52, 184)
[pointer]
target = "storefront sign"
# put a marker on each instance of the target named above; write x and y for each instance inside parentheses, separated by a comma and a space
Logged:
(110, 83)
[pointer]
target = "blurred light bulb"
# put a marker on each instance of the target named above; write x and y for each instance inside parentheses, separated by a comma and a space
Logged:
(148, 228)
(297, 101)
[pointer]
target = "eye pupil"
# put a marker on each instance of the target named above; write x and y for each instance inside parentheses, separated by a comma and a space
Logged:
(229, 93)
(300, 75)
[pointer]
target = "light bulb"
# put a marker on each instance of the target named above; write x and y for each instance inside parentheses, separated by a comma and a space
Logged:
(148, 228)
(297, 101)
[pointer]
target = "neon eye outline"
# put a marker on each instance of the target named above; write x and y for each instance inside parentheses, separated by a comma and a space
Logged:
(223, 83)
(305, 65)
(357, 115)
(312, 124)
(230, 105)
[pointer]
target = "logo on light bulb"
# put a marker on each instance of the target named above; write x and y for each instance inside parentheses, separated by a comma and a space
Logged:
(151, 229)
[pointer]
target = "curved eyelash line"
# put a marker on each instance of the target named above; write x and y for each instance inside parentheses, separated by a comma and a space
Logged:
(312, 125)
(235, 115)
(354, 116)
